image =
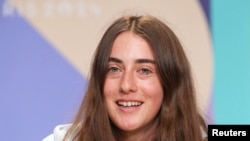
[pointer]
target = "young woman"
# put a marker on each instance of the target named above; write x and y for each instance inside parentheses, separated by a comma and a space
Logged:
(140, 88)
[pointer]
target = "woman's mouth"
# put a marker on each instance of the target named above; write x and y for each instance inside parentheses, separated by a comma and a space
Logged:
(129, 103)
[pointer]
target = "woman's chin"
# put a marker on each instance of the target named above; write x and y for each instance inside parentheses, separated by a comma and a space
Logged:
(128, 126)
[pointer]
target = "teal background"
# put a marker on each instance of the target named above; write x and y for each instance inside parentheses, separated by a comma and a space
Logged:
(230, 25)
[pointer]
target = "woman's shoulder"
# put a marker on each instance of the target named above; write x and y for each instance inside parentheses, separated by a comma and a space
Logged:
(58, 133)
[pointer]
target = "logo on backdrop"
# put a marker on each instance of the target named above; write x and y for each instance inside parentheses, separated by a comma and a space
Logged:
(51, 9)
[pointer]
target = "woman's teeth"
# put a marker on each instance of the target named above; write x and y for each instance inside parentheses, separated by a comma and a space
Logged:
(129, 104)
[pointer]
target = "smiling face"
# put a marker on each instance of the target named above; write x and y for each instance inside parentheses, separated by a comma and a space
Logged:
(132, 91)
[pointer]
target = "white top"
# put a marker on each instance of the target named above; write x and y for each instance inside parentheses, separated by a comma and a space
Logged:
(58, 133)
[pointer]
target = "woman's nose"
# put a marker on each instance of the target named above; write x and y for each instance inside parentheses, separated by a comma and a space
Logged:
(128, 83)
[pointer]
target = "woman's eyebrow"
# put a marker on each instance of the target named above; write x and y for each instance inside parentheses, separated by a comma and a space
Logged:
(145, 61)
(113, 59)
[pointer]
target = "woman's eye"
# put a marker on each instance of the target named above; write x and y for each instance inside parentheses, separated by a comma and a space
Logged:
(113, 69)
(145, 71)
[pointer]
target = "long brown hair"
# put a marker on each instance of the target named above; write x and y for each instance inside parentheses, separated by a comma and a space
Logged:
(179, 116)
